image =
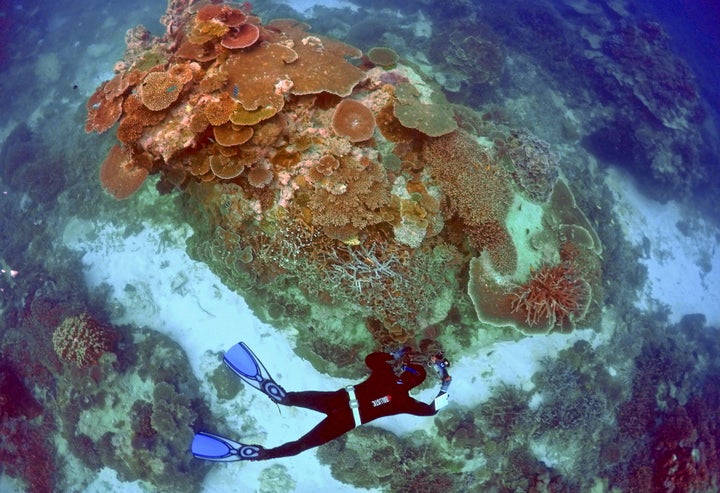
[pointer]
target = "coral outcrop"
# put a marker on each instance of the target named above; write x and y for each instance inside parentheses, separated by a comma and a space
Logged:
(363, 237)
(82, 340)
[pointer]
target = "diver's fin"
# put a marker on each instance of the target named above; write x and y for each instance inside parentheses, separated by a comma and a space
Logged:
(247, 366)
(207, 446)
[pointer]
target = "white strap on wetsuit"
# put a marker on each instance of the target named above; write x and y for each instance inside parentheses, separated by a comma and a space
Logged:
(354, 404)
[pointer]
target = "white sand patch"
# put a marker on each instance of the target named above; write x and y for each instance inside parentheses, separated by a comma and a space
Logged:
(155, 284)
(680, 251)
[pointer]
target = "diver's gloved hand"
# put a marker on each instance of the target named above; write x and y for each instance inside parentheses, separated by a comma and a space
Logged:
(441, 400)
(399, 353)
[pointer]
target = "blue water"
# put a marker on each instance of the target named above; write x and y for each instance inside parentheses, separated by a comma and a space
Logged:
(639, 411)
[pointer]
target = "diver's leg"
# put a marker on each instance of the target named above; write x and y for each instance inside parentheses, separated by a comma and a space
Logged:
(322, 402)
(330, 428)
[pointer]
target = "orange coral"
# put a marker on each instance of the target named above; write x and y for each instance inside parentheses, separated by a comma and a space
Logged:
(120, 174)
(230, 135)
(159, 90)
(353, 120)
(553, 296)
(200, 52)
(242, 36)
(184, 72)
(129, 130)
(102, 112)
(218, 109)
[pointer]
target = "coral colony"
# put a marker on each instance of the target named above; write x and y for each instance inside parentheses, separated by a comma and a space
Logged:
(319, 176)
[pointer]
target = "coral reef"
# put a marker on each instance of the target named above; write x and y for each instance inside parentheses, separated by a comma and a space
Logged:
(668, 431)
(552, 296)
(362, 237)
(556, 284)
(139, 419)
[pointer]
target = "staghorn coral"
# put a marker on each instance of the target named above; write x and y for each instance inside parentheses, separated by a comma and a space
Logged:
(352, 196)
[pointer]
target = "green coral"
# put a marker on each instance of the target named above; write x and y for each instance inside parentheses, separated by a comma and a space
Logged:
(432, 116)
(140, 420)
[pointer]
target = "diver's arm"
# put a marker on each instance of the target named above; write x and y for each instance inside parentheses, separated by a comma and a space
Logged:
(377, 360)
(418, 408)
(441, 364)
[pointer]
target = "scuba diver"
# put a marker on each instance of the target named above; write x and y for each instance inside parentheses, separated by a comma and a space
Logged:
(384, 393)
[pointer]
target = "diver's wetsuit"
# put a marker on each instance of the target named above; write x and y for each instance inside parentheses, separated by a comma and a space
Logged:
(382, 394)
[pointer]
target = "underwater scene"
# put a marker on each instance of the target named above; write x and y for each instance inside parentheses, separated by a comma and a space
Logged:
(360, 246)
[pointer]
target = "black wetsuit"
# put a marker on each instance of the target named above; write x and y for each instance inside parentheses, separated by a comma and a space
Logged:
(382, 394)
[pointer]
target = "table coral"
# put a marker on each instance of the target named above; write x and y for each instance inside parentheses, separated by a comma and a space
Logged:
(382, 56)
(120, 174)
(159, 90)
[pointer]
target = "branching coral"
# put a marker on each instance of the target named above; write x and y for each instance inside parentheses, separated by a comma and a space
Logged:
(552, 297)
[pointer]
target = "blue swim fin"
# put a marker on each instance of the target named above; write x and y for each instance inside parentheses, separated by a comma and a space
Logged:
(247, 366)
(207, 446)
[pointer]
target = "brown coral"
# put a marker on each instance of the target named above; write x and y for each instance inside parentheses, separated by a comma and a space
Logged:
(120, 174)
(82, 340)
(242, 36)
(322, 63)
(434, 118)
(254, 74)
(159, 90)
(228, 135)
(260, 176)
(353, 120)
(102, 112)
(384, 57)
(218, 109)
